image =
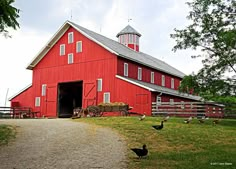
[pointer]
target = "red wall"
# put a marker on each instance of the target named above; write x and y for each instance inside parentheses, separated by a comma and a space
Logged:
(146, 73)
(137, 97)
(23, 99)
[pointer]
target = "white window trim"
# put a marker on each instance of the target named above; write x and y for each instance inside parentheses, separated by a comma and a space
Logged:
(163, 80)
(77, 43)
(72, 37)
(152, 77)
(172, 83)
(158, 100)
(99, 87)
(72, 57)
(126, 69)
(62, 52)
(139, 73)
(44, 86)
(37, 101)
(182, 105)
(106, 95)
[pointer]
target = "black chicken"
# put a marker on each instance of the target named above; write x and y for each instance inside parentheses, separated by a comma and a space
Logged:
(158, 127)
(140, 152)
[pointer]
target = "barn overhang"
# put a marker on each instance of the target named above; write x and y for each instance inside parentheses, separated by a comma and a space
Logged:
(21, 91)
(160, 89)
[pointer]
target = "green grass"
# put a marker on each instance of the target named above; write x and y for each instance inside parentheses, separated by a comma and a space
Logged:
(6, 133)
(177, 145)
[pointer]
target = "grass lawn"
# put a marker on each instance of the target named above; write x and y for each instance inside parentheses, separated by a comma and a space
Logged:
(6, 133)
(177, 145)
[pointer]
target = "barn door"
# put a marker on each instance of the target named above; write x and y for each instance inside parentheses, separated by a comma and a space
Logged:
(142, 103)
(51, 101)
(89, 94)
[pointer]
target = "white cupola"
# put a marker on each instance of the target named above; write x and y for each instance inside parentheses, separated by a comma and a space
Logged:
(129, 37)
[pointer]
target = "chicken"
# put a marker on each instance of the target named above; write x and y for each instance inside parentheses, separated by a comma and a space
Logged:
(188, 120)
(166, 118)
(140, 152)
(158, 127)
(202, 120)
(216, 121)
(142, 117)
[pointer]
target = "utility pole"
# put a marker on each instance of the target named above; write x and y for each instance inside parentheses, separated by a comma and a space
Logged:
(6, 98)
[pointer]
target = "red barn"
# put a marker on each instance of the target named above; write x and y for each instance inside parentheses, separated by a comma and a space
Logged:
(79, 67)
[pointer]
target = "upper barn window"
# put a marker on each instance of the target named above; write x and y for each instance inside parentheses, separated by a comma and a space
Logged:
(139, 73)
(163, 80)
(126, 69)
(70, 58)
(78, 46)
(172, 83)
(152, 77)
(62, 49)
(70, 37)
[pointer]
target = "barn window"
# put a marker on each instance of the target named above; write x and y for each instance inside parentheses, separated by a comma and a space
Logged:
(122, 39)
(158, 100)
(172, 83)
(131, 41)
(139, 73)
(126, 69)
(78, 46)
(99, 87)
(37, 101)
(62, 49)
(163, 80)
(70, 37)
(70, 58)
(137, 40)
(106, 97)
(152, 77)
(171, 101)
(44, 89)
(182, 105)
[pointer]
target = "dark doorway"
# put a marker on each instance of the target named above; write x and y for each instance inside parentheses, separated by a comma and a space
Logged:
(69, 97)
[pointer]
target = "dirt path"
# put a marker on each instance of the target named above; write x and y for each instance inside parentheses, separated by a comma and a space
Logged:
(62, 144)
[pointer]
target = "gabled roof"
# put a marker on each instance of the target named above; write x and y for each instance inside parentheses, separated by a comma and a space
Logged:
(128, 29)
(21, 91)
(112, 46)
(155, 88)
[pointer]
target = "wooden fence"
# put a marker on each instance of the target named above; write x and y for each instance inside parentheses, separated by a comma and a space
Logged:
(210, 109)
(17, 112)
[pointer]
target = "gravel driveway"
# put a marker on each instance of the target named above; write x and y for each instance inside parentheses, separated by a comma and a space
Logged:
(62, 144)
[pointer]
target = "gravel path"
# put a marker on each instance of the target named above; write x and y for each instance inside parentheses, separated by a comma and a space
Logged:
(62, 144)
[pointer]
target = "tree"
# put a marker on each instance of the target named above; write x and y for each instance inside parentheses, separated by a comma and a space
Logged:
(8, 16)
(213, 32)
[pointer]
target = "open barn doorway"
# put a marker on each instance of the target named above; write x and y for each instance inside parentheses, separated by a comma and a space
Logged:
(69, 97)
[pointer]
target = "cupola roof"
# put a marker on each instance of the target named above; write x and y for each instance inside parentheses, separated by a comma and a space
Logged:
(128, 30)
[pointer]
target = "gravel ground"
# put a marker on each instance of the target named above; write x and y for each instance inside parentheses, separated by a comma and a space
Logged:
(62, 144)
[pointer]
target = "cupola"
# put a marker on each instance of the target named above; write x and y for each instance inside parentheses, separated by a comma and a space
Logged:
(129, 37)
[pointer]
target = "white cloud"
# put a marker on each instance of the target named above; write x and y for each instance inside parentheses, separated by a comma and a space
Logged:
(16, 53)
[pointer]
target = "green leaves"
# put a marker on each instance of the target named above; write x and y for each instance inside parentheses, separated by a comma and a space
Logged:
(213, 32)
(8, 16)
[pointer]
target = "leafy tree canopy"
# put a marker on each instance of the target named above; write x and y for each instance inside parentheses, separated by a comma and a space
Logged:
(213, 32)
(8, 16)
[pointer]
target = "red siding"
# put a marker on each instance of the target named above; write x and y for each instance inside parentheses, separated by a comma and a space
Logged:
(25, 98)
(146, 73)
(135, 96)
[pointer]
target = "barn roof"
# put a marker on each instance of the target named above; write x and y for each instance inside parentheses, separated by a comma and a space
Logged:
(128, 29)
(155, 88)
(112, 46)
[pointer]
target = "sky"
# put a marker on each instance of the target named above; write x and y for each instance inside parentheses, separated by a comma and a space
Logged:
(40, 20)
